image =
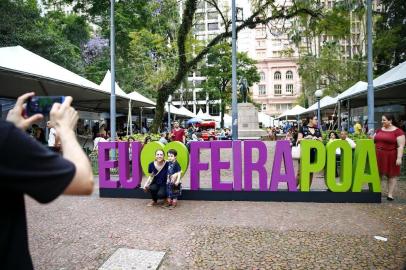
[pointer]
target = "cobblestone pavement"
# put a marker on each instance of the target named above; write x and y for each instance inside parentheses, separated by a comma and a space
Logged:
(82, 232)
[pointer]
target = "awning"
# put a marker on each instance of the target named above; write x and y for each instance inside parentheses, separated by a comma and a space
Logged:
(204, 116)
(325, 102)
(137, 100)
(295, 111)
(186, 112)
(389, 89)
(22, 71)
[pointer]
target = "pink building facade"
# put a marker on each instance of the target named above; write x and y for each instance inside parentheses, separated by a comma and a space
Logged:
(279, 87)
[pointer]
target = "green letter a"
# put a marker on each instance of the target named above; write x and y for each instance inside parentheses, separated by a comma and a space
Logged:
(365, 167)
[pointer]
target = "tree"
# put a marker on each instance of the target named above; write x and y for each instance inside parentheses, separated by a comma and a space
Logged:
(322, 64)
(218, 73)
(390, 41)
(263, 13)
(330, 72)
(161, 17)
(41, 35)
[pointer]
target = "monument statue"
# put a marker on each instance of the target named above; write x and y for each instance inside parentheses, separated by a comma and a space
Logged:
(248, 124)
(244, 89)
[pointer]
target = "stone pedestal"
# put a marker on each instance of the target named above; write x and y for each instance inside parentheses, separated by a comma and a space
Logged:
(248, 125)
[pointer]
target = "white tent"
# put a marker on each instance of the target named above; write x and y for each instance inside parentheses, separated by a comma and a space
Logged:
(174, 110)
(357, 88)
(204, 116)
(22, 71)
(265, 119)
(392, 76)
(227, 120)
(324, 102)
(297, 110)
(136, 98)
(186, 112)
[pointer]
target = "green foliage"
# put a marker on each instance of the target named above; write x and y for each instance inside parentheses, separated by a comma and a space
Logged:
(218, 73)
(41, 35)
(151, 54)
(327, 69)
(390, 42)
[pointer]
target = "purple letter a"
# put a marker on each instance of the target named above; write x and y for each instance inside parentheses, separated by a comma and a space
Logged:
(283, 152)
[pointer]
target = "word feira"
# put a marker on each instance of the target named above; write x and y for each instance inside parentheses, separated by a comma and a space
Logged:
(357, 168)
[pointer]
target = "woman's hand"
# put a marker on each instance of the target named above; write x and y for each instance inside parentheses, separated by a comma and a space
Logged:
(398, 161)
(15, 115)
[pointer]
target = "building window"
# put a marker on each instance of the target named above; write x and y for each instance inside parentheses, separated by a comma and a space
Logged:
(289, 75)
(199, 16)
(262, 90)
(277, 75)
(200, 5)
(289, 89)
(212, 26)
(201, 37)
(277, 89)
(199, 27)
(263, 107)
(262, 76)
(212, 15)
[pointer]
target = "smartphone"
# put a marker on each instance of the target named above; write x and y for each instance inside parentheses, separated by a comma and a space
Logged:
(42, 104)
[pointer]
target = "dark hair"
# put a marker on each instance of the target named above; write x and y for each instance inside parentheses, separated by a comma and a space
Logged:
(156, 151)
(173, 152)
(148, 138)
(335, 134)
(308, 118)
(391, 118)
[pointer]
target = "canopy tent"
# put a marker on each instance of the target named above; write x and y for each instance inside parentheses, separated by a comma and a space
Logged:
(353, 90)
(174, 111)
(186, 112)
(227, 120)
(265, 119)
(204, 116)
(389, 88)
(294, 112)
(137, 99)
(325, 102)
(22, 71)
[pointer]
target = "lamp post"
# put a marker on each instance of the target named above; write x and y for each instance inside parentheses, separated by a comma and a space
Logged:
(113, 73)
(234, 72)
(318, 95)
(169, 113)
(370, 96)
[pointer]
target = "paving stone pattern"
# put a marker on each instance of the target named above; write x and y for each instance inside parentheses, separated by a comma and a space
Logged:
(83, 232)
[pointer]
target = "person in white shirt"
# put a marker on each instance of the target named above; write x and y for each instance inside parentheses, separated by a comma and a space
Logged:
(52, 138)
(163, 139)
(344, 136)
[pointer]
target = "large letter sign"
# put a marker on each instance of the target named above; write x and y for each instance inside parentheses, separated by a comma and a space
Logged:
(365, 167)
(283, 154)
(306, 167)
(345, 163)
(244, 158)
(218, 165)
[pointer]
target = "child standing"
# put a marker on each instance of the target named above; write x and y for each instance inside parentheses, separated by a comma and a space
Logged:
(173, 182)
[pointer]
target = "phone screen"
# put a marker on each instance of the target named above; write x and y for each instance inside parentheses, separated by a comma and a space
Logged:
(42, 104)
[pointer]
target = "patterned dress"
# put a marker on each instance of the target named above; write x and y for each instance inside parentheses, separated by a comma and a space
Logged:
(173, 191)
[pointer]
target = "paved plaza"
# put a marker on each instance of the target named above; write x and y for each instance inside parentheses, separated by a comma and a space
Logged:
(83, 232)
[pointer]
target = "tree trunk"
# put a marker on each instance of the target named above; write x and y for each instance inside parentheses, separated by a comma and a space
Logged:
(222, 109)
